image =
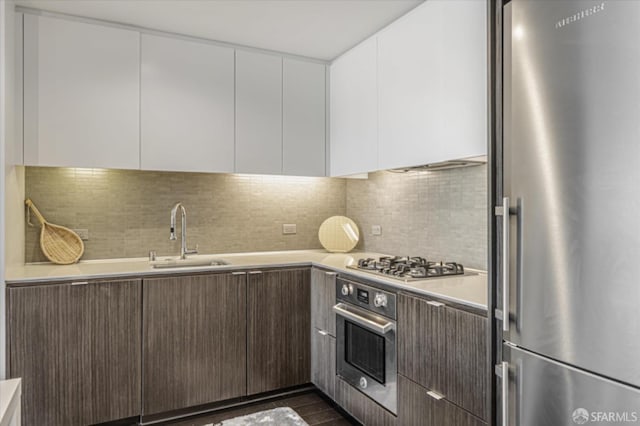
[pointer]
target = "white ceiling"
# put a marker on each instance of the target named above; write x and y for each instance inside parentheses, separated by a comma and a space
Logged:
(320, 29)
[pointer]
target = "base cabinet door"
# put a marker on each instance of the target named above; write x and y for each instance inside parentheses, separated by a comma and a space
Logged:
(279, 329)
(77, 349)
(323, 361)
(194, 340)
(323, 298)
(418, 408)
(360, 406)
(421, 341)
(466, 367)
(444, 349)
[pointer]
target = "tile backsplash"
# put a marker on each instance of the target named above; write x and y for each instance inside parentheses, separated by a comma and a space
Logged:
(442, 215)
(127, 212)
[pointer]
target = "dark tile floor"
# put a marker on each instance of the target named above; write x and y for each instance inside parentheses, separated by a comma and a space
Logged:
(311, 406)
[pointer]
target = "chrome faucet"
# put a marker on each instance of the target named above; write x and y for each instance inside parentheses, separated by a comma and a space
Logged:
(184, 251)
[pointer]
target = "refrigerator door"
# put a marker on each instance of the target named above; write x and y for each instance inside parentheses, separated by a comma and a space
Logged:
(543, 392)
(572, 171)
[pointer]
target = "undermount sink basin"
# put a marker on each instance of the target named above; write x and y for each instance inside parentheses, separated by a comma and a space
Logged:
(176, 262)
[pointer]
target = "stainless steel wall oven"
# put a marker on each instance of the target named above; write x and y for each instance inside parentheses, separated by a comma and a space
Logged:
(366, 340)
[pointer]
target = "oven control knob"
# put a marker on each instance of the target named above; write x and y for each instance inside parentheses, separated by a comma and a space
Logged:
(380, 300)
(347, 289)
(363, 383)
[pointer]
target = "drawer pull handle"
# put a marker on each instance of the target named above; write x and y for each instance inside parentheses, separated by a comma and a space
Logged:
(255, 272)
(238, 273)
(322, 332)
(435, 395)
(434, 303)
(80, 283)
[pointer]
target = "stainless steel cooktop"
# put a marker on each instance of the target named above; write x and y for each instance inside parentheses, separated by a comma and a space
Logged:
(409, 268)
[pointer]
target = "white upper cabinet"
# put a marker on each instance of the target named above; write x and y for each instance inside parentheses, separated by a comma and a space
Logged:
(432, 72)
(81, 94)
(258, 113)
(187, 105)
(354, 111)
(103, 96)
(304, 124)
(464, 104)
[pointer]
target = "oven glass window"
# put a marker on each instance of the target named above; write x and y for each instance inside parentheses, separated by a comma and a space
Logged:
(365, 351)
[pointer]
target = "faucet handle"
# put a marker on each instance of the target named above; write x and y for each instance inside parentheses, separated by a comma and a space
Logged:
(152, 256)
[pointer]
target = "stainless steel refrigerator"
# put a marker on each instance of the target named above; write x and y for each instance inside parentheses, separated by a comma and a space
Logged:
(571, 234)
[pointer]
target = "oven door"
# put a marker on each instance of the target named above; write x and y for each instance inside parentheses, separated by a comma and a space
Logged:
(366, 353)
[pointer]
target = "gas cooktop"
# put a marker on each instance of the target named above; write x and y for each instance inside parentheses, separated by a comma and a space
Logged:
(408, 268)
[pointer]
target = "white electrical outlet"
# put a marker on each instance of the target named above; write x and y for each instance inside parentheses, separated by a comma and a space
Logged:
(82, 233)
(289, 228)
(376, 230)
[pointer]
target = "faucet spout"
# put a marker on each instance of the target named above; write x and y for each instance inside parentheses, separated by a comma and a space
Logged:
(172, 230)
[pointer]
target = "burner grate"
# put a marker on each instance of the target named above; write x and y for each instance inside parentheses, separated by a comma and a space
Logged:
(408, 267)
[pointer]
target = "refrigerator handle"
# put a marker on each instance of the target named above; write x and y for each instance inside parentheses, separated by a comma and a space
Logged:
(504, 211)
(502, 370)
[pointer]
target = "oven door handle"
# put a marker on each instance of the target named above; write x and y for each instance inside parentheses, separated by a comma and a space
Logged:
(364, 319)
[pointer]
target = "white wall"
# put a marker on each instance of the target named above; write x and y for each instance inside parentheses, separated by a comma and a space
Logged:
(7, 138)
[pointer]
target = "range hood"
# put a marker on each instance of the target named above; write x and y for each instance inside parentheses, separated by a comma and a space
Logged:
(443, 165)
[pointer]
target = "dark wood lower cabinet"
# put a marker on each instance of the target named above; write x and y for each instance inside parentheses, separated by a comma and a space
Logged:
(77, 350)
(279, 329)
(444, 349)
(361, 407)
(194, 340)
(106, 350)
(417, 408)
(422, 341)
(323, 296)
(466, 366)
(323, 361)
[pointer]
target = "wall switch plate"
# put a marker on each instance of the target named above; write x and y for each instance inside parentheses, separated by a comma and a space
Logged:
(82, 233)
(376, 230)
(289, 228)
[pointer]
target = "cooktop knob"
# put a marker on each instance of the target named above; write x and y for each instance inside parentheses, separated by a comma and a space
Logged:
(363, 383)
(347, 289)
(380, 300)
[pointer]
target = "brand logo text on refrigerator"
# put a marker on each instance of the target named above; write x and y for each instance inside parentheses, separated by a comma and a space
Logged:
(580, 15)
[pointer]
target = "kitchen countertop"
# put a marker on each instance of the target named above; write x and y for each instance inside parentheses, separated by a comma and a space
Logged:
(10, 391)
(468, 289)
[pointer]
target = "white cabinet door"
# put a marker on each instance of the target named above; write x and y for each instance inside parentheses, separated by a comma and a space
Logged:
(432, 84)
(464, 66)
(258, 113)
(81, 94)
(303, 118)
(354, 111)
(187, 105)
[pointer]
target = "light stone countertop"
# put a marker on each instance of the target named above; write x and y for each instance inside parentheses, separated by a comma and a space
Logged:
(10, 392)
(468, 289)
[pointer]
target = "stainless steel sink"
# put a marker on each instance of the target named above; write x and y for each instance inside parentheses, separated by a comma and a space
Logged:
(193, 261)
